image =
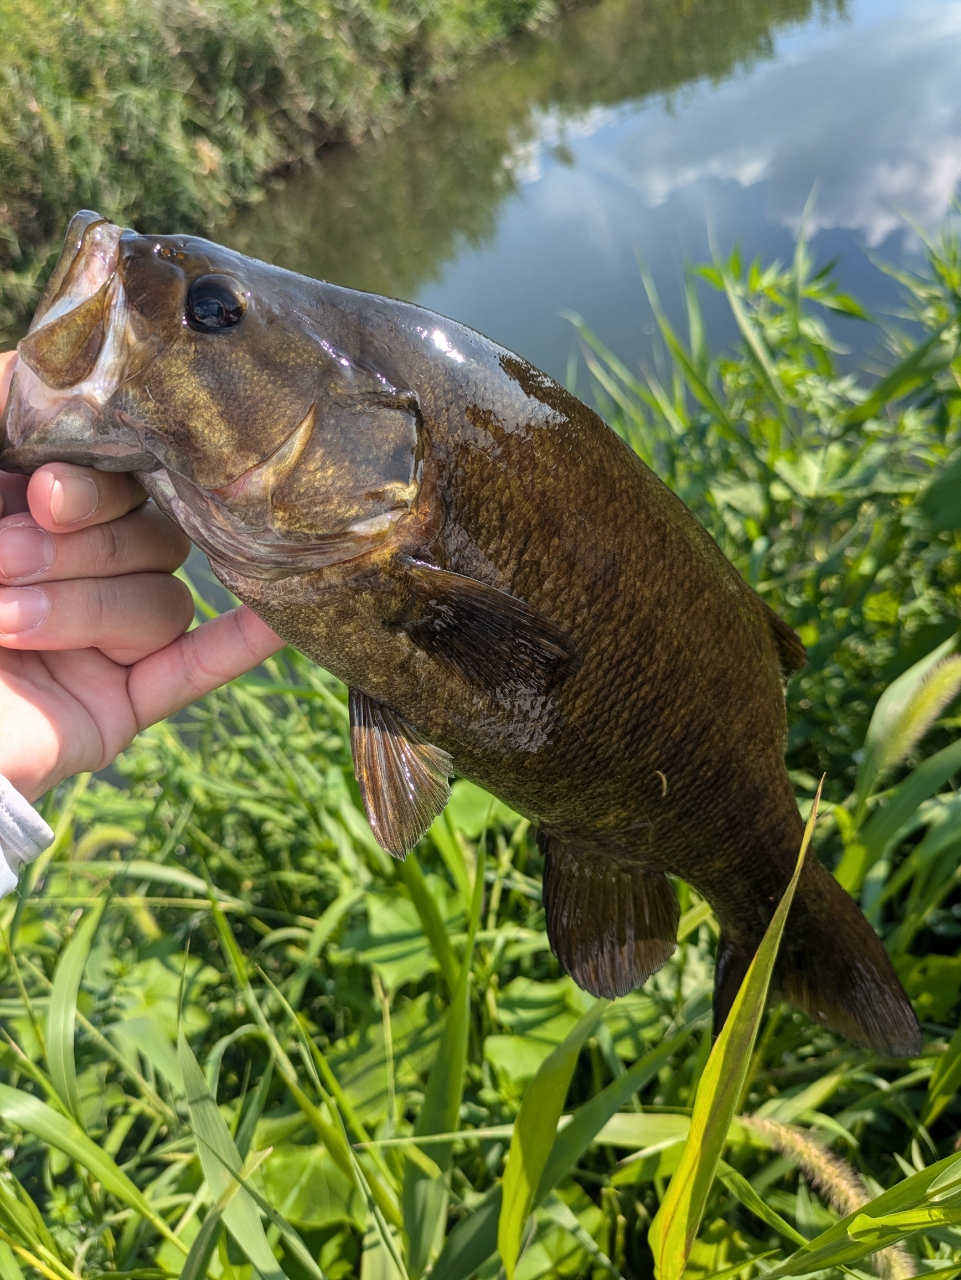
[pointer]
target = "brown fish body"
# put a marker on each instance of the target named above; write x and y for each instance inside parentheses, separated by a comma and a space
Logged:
(509, 592)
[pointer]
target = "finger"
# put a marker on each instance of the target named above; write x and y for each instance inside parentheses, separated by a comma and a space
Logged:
(7, 361)
(64, 497)
(135, 614)
(144, 541)
(201, 660)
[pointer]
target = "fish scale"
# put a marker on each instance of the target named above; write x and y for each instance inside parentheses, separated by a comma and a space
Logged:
(510, 593)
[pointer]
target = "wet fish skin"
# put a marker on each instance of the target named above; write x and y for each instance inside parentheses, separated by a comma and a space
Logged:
(509, 592)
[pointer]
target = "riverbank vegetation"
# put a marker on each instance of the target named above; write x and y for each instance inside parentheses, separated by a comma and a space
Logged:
(172, 115)
(216, 971)
(171, 112)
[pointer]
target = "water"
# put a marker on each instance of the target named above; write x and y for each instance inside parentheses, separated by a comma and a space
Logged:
(643, 128)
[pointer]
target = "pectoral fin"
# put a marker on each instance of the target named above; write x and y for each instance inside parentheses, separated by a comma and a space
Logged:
(404, 781)
(610, 925)
(489, 639)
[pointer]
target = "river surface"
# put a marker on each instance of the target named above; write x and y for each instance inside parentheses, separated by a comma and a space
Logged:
(643, 129)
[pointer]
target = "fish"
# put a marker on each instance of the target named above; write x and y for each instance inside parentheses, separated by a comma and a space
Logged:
(509, 593)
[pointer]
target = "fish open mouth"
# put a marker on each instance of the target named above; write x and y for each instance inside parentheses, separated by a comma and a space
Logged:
(76, 353)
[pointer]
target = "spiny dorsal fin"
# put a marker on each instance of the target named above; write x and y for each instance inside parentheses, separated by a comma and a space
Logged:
(491, 640)
(404, 781)
(790, 651)
(610, 926)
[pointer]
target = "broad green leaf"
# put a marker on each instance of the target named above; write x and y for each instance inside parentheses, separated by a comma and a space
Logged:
(424, 1196)
(945, 1081)
(677, 1220)
(534, 1131)
(219, 1159)
(26, 1112)
(62, 1014)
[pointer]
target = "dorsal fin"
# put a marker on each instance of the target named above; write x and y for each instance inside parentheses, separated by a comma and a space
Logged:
(404, 781)
(611, 926)
(491, 640)
(790, 651)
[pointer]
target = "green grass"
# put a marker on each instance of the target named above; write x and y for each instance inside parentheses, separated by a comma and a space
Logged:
(237, 1036)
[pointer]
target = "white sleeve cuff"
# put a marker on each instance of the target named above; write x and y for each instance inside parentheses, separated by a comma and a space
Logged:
(23, 835)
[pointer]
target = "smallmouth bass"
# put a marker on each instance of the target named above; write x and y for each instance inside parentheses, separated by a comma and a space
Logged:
(509, 593)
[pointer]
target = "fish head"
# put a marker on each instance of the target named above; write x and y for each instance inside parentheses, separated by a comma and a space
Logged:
(233, 389)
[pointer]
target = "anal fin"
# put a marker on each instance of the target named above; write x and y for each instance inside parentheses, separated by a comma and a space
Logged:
(610, 925)
(489, 639)
(404, 781)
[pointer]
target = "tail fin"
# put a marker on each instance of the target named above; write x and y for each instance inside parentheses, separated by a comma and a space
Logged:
(833, 966)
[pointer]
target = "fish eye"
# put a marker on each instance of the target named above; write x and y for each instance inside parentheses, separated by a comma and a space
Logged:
(213, 304)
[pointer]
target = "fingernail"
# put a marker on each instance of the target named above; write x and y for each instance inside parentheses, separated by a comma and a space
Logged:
(24, 551)
(73, 498)
(22, 609)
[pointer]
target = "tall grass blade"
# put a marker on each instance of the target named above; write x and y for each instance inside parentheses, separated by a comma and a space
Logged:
(62, 1015)
(219, 1159)
(9, 1266)
(425, 1197)
(534, 1131)
(928, 357)
(907, 1207)
(588, 1120)
(474, 1239)
(29, 1113)
(202, 1249)
(434, 927)
(904, 713)
(945, 1081)
(739, 1187)
(677, 1220)
(688, 365)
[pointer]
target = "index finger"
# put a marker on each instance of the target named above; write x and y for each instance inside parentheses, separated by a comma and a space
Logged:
(64, 497)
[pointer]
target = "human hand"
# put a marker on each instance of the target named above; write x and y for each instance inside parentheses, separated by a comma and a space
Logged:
(93, 626)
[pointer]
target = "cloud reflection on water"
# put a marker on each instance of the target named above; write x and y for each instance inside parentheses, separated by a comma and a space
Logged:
(870, 116)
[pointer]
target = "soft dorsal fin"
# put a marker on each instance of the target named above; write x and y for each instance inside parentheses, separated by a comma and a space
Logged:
(404, 781)
(790, 651)
(611, 926)
(491, 640)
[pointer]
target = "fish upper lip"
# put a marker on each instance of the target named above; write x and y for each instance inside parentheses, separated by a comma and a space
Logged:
(93, 265)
